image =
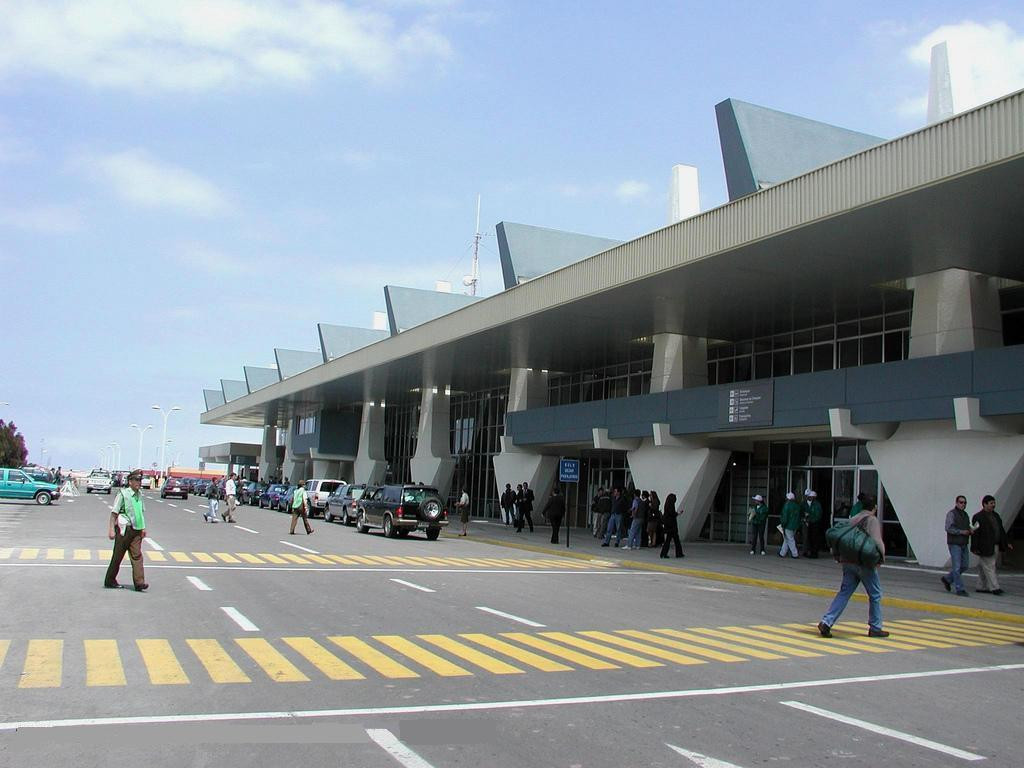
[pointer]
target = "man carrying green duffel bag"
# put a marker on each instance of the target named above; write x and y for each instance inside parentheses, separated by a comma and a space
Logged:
(859, 547)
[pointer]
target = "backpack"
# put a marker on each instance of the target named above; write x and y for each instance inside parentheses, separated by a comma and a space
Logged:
(851, 543)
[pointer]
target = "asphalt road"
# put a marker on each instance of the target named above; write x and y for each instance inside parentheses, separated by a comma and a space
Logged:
(254, 647)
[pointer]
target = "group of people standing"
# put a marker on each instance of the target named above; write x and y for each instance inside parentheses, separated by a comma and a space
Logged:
(639, 517)
(806, 515)
(984, 536)
(517, 507)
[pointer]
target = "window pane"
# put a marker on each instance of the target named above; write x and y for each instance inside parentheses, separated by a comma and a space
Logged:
(846, 452)
(897, 321)
(779, 456)
(822, 357)
(821, 453)
(742, 369)
(894, 346)
(802, 337)
(849, 353)
(863, 457)
(782, 340)
(762, 366)
(802, 360)
(800, 454)
(846, 330)
(726, 370)
(824, 333)
(871, 325)
(712, 373)
(743, 348)
(870, 350)
(781, 363)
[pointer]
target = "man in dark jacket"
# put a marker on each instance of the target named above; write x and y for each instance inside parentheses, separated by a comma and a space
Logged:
(619, 508)
(989, 537)
(603, 511)
(958, 530)
(526, 508)
(554, 511)
(508, 503)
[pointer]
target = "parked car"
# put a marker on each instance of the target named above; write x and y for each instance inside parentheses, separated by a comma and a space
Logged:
(284, 498)
(343, 503)
(200, 486)
(189, 483)
(15, 484)
(147, 481)
(319, 491)
(399, 509)
(249, 493)
(99, 481)
(271, 495)
(174, 486)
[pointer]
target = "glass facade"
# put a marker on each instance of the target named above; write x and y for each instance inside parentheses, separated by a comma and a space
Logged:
(401, 428)
(610, 379)
(477, 424)
(873, 329)
(1011, 302)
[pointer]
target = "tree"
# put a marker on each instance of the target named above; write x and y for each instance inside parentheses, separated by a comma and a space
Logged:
(12, 446)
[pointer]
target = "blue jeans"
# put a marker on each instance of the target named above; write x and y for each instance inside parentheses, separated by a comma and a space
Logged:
(852, 576)
(961, 558)
(634, 533)
(613, 527)
(212, 514)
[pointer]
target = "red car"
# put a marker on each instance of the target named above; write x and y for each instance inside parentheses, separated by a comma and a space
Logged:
(175, 486)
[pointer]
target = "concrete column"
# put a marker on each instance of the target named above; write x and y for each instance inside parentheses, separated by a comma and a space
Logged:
(325, 469)
(925, 464)
(268, 452)
(370, 464)
(690, 470)
(527, 389)
(954, 311)
(679, 362)
(432, 463)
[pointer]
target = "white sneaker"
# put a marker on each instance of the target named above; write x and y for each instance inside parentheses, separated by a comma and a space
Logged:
(625, 547)
(751, 551)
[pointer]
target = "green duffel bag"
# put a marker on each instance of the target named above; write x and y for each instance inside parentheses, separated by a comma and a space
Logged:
(853, 544)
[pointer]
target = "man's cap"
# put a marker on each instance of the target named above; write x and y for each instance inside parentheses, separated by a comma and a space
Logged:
(136, 475)
(808, 492)
(758, 497)
(812, 494)
(790, 495)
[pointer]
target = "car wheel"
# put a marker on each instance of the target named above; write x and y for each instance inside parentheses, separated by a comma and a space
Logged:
(328, 517)
(43, 498)
(361, 525)
(108, 491)
(261, 503)
(433, 533)
(88, 491)
(389, 527)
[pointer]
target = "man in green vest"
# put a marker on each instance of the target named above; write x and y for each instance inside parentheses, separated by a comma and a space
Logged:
(815, 531)
(790, 521)
(128, 528)
(300, 508)
(758, 517)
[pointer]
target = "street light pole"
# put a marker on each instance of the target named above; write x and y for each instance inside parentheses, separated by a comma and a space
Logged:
(163, 444)
(117, 455)
(141, 432)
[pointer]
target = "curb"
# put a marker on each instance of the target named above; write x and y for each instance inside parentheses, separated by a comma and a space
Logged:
(781, 586)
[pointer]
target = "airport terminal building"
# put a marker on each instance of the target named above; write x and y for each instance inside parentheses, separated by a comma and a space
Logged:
(852, 320)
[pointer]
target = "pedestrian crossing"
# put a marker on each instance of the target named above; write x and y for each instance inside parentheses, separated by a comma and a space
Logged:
(48, 663)
(82, 555)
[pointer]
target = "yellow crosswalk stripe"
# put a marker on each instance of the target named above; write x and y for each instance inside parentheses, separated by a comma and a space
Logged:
(418, 560)
(220, 667)
(1007, 630)
(249, 558)
(377, 560)
(561, 652)
(472, 655)
(359, 559)
(104, 554)
(749, 649)
(421, 655)
(602, 650)
(372, 658)
(521, 655)
(5, 553)
(180, 557)
(849, 628)
(650, 650)
(806, 643)
(341, 560)
(4, 645)
(296, 558)
(103, 663)
(44, 664)
(225, 557)
(948, 638)
(204, 557)
(789, 647)
(841, 641)
(29, 553)
(319, 559)
(271, 660)
(82, 554)
(161, 663)
(708, 653)
(969, 631)
(55, 554)
(333, 667)
(273, 558)
(912, 638)
(157, 557)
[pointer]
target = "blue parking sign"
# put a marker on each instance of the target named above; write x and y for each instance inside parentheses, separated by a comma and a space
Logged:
(569, 470)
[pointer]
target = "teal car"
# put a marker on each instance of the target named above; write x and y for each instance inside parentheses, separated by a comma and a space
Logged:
(16, 484)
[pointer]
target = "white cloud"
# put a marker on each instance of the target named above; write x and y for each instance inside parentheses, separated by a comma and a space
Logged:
(627, 191)
(631, 190)
(986, 61)
(142, 180)
(43, 218)
(198, 45)
(200, 257)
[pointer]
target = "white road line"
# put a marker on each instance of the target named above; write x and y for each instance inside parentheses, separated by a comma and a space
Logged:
(484, 706)
(192, 511)
(702, 761)
(249, 530)
(172, 505)
(199, 584)
(289, 544)
(239, 619)
(504, 615)
(386, 740)
(414, 586)
(153, 544)
(882, 730)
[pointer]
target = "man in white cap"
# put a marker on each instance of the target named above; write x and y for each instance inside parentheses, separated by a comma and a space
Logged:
(758, 518)
(815, 531)
(790, 525)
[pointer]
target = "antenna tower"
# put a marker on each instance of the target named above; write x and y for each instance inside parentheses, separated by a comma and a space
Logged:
(471, 280)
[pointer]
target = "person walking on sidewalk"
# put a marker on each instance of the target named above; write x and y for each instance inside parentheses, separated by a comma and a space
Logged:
(554, 510)
(463, 505)
(300, 508)
(604, 511)
(508, 504)
(618, 509)
(669, 519)
(637, 513)
(229, 498)
(210, 515)
(815, 531)
(958, 531)
(790, 522)
(526, 507)
(854, 574)
(758, 518)
(653, 519)
(127, 528)
(989, 537)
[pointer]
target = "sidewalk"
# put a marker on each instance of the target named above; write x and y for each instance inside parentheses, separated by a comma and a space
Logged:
(904, 585)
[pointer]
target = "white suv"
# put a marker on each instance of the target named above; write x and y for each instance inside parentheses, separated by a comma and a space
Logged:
(318, 491)
(98, 481)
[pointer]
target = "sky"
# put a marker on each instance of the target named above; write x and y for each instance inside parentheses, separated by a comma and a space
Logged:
(186, 184)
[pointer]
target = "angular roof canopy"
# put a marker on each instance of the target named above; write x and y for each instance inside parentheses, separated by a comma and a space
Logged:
(233, 389)
(761, 146)
(293, 361)
(213, 397)
(527, 252)
(409, 307)
(258, 378)
(338, 340)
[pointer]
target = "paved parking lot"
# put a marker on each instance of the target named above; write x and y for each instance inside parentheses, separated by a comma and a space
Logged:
(338, 648)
